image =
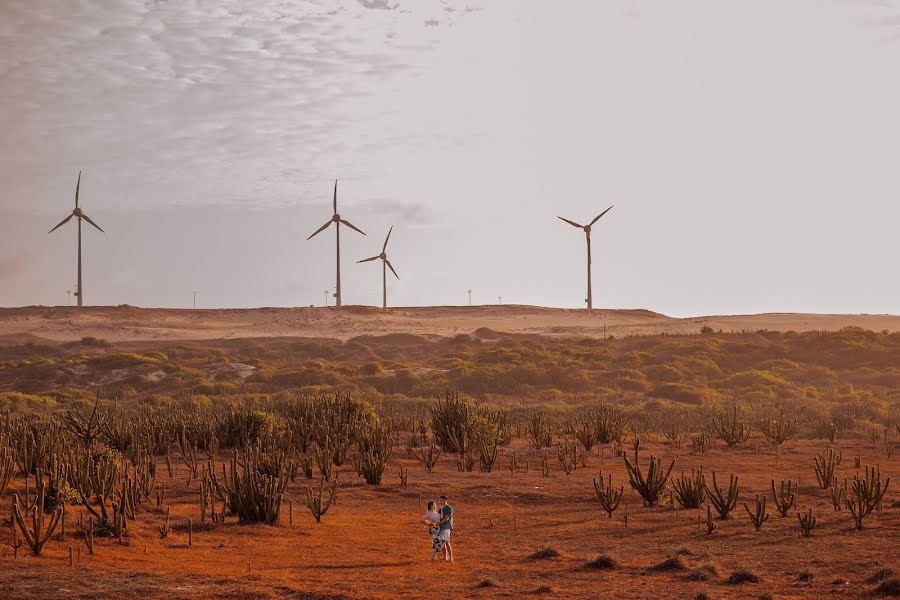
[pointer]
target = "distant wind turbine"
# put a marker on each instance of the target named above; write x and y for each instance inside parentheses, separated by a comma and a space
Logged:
(79, 293)
(385, 265)
(587, 235)
(337, 220)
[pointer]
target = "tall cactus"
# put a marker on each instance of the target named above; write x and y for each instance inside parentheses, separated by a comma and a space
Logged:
(38, 532)
(609, 497)
(690, 491)
(252, 496)
(650, 487)
(866, 494)
(825, 467)
(723, 501)
(758, 515)
(731, 428)
(785, 498)
(316, 501)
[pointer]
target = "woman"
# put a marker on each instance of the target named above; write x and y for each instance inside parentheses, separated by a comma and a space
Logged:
(431, 520)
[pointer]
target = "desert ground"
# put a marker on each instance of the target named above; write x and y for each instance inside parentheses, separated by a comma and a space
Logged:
(518, 532)
(130, 323)
(370, 544)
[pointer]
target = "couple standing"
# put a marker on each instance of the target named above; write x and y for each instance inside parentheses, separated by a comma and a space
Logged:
(440, 524)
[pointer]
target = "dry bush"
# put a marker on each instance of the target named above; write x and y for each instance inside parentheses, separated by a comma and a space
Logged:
(741, 576)
(602, 563)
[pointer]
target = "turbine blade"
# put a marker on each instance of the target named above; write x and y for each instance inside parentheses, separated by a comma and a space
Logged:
(368, 259)
(600, 215)
(88, 219)
(572, 223)
(319, 230)
(77, 189)
(391, 267)
(61, 223)
(384, 248)
(352, 226)
(335, 196)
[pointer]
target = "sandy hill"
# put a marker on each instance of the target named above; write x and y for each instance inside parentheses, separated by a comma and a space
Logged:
(121, 323)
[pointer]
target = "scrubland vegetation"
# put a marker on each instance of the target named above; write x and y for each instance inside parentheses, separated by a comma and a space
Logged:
(847, 380)
(682, 439)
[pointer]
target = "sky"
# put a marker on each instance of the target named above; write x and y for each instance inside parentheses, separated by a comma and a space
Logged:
(751, 151)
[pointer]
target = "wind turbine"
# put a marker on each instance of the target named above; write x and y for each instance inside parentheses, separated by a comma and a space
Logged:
(385, 265)
(337, 220)
(79, 294)
(587, 235)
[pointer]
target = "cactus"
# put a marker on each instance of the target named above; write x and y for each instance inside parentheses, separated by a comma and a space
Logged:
(652, 486)
(784, 499)
(36, 533)
(724, 502)
(373, 451)
(316, 502)
(731, 428)
(306, 465)
(538, 430)
(838, 494)
(609, 497)
(690, 491)
(83, 426)
(404, 476)
(866, 494)
(825, 467)
(164, 529)
(252, 496)
(778, 430)
(585, 432)
(710, 524)
(89, 536)
(807, 522)
(465, 462)
(7, 465)
(758, 516)
(700, 443)
(545, 465)
(323, 452)
(513, 463)
(567, 454)
(428, 456)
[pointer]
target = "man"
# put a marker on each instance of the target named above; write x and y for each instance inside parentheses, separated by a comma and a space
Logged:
(445, 526)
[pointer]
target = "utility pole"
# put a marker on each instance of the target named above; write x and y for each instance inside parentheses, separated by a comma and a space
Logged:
(195, 300)
(470, 297)
(326, 298)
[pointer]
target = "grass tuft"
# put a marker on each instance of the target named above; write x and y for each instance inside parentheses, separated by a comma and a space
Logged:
(548, 552)
(742, 576)
(673, 563)
(888, 587)
(704, 573)
(602, 563)
(880, 575)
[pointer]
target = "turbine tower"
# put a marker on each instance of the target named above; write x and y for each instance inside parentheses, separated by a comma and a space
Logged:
(79, 293)
(337, 220)
(385, 265)
(587, 235)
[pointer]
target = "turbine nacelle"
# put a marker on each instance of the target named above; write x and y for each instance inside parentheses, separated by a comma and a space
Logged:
(336, 218)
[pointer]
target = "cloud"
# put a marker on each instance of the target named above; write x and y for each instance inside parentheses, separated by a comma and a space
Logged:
(165, 103)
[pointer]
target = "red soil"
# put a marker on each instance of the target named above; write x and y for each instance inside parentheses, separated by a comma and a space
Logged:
(371, 545)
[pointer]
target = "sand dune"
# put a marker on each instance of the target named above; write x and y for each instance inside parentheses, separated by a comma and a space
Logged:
(125, 323)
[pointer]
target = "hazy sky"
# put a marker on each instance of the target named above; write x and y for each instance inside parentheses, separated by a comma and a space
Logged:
(751, 149)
